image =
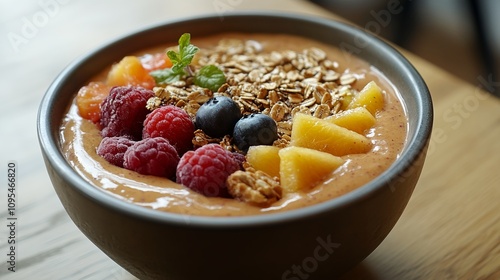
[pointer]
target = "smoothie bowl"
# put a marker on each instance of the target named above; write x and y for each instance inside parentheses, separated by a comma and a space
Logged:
(253, 146)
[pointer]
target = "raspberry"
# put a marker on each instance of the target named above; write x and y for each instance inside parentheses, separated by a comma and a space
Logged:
(112, 149)
(173, 124)
(206, 169)
(240, 159)
(152, 156)
(123, 111)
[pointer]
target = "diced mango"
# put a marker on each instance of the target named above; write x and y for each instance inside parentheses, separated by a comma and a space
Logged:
(156, 61)
(370, 97)
(130, 72)
(89, 99)
(303, 168)
(357, 119)
(265, 158)
(322, 135)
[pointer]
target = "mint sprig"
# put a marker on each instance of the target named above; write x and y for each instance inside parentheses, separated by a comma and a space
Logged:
(180, 60)
(209, 76)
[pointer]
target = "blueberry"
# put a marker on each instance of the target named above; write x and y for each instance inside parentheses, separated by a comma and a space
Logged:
(217, 116)
(254, 129)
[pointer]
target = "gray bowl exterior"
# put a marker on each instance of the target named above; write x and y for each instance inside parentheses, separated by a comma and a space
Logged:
(318, 242)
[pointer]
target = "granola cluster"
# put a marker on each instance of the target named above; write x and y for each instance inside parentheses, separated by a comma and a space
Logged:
(254, 187)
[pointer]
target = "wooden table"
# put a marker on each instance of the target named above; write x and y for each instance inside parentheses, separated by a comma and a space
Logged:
(450, 229)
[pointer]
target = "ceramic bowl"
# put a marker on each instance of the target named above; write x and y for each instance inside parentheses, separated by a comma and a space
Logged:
(317, 242)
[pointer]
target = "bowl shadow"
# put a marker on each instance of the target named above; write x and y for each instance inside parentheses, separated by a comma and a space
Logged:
(361, 271)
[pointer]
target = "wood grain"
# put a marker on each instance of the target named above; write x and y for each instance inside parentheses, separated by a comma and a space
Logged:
(450, 229)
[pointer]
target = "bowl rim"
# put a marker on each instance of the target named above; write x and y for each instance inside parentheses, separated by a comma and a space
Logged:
(49, 143)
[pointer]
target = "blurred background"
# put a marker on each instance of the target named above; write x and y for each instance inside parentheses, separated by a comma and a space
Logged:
(460, 36)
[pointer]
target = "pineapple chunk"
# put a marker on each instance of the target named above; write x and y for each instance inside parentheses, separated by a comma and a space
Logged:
(370, 97)
(303, 168)
(346, 100)
(265, 159)
(322, 135)
(358, 119)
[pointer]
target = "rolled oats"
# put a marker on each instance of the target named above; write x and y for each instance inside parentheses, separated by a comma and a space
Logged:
(330, 76)
(285, 127)
(295, 98)
(309, 102)
(347, 79)
(269, 86)
(153, 103)
(322, 111)
(278, 111)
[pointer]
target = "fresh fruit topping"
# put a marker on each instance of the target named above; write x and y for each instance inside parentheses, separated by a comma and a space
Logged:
(254, 129)
(157, 61)
(161, 143)
(370, 97)
(303, 168)
(130, 72)
(265, 159)
(209, 76)
(346, 98)
(322, 135)
(152, 156)
(123, 112)
(89, 99)
(112, 149)
(206, 169)
(240, 158)
(358, 119)
(217, 116)
(171, 123)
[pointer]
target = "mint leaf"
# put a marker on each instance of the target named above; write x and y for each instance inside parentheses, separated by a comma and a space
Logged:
(210, 76)
(185, 55)
(165, 76)
(174, 57)
(186, 49)
(184, 41)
